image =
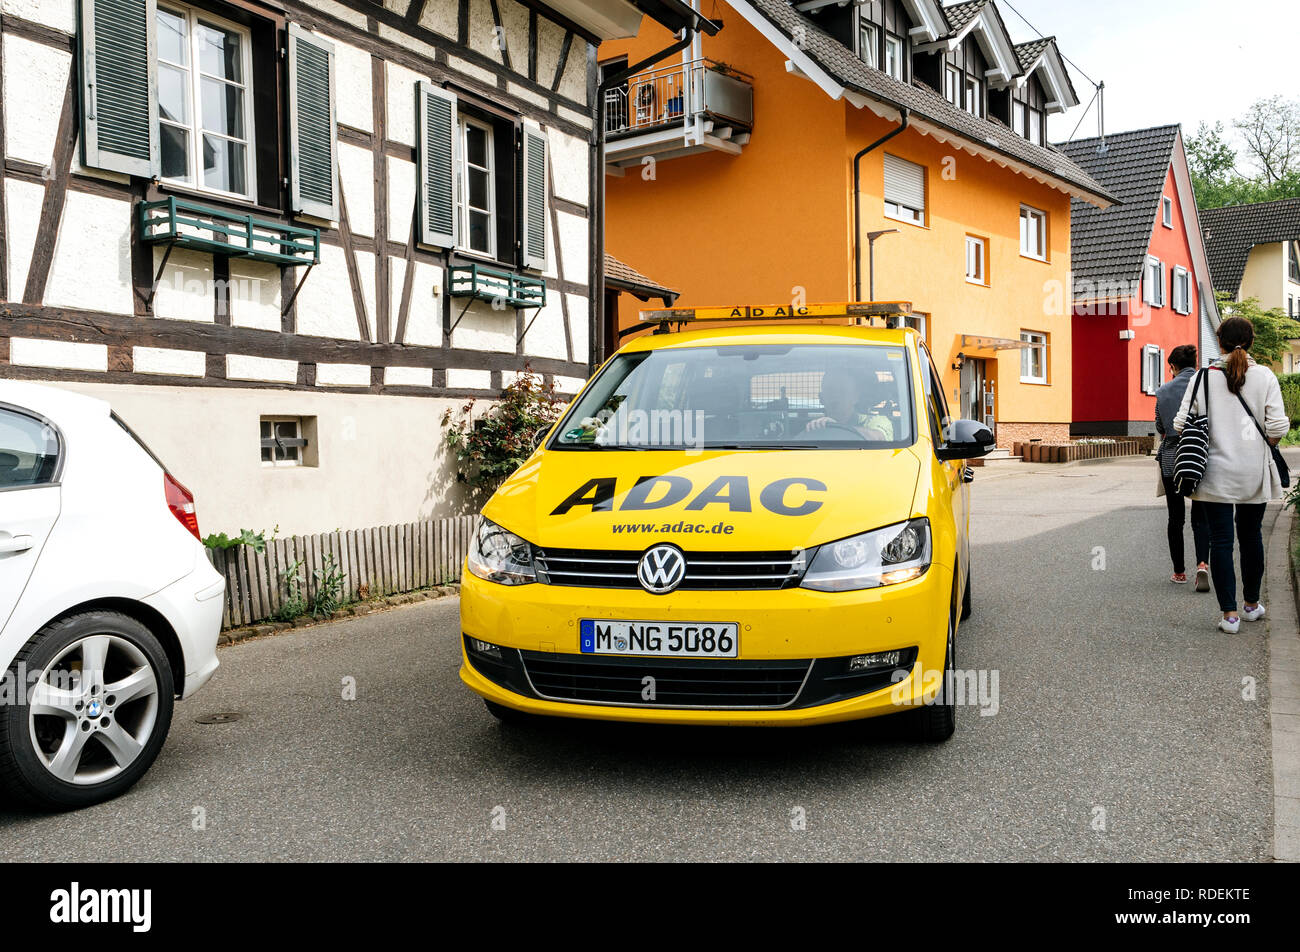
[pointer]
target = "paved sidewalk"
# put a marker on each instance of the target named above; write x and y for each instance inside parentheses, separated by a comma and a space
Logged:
(1284, 682)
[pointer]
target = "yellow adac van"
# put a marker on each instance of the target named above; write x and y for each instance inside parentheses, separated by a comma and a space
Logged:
(764, 524)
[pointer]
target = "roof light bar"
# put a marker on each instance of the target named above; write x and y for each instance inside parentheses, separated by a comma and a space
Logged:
(662, 319)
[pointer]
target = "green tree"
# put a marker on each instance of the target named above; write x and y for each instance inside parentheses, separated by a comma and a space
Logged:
(1268, 131)
(1273, 329)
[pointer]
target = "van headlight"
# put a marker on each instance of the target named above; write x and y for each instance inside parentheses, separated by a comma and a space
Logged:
(888, 556)
(500, 556)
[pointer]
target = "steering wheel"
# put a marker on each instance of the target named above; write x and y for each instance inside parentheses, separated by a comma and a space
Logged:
(834, 424)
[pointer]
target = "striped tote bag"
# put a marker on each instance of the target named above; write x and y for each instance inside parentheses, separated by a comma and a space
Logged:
(1193, 444)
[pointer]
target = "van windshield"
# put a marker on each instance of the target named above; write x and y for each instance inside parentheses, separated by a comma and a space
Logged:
(798, 396)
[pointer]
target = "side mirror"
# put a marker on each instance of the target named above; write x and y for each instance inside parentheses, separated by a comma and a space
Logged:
(966, 439)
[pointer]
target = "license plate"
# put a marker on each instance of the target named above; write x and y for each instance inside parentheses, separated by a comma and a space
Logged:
(665, 639)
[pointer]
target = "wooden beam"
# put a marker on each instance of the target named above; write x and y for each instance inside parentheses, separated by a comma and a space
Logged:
(379, 99)
(350, 259)
(56, 190)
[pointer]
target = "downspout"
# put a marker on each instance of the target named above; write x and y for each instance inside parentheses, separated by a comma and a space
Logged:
(857, 199)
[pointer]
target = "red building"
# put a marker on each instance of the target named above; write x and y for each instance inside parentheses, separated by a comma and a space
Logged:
(1141, 279)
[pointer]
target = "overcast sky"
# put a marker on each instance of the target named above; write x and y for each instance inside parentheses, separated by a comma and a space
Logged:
(1167, 61)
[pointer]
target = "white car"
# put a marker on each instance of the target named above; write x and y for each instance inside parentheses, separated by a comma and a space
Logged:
(109, 607)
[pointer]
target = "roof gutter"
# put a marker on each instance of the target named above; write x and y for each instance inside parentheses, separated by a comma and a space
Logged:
(857, 198)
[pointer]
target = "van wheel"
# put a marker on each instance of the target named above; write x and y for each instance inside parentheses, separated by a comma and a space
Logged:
(965, 599)
(508, 715)
(937, 720)
(95, 696)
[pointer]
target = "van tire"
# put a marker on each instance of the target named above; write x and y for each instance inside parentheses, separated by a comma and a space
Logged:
(936, 722)
(965, 599)
(24, 776)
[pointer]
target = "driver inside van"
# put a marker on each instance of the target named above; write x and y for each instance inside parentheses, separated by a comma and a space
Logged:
(840, 399)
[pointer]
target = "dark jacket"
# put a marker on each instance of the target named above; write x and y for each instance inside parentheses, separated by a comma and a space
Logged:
(1168, 399)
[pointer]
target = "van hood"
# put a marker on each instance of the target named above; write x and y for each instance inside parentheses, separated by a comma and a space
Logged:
(711, 501)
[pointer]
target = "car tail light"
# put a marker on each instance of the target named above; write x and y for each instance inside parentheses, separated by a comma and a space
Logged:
(181, 502)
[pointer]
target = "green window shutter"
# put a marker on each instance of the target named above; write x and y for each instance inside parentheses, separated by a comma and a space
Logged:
(532, 196)
(435, 121)
(119, 86)
(313, 134)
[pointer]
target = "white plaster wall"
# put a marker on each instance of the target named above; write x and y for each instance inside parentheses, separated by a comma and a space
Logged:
(186, 291)
(408, 376)
(546, 337)
(355, 484)
(23, 213)
(324, 305)
(527, 95)
(366, 270)
(342, 375)
(164, 360)
(400, 83)
(482, 36)
(574, 82)
(441, 17)
(569, 385)
(469, 379)
(340, 12)
(353, 103)
(357, 179)
(550, 37)
(243, 367)
(401, 198)
(471, 69)
(573, 240)
(483, 328)
(579, 118)
(579, 317)
(396, 281)
(514, 20)
(570, 160)
(35, 81)
(424, 320)
(60, 14)
(68, 355)
(255, 293)
(92, 257)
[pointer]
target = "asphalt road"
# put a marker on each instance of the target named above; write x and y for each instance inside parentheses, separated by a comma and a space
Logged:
(1121, 733)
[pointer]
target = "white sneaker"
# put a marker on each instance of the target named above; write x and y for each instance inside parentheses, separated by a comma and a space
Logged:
(1230, 627)
(1255, 614)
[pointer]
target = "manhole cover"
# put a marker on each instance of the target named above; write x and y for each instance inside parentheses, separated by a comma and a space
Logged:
(225, 717)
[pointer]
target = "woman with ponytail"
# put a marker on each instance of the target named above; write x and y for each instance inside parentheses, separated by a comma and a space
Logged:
(1240, 476)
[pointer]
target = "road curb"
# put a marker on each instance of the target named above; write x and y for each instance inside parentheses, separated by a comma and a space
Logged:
(232, 636)
(1283, 688)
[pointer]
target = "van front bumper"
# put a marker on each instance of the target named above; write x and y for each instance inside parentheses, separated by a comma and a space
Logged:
(536, 627)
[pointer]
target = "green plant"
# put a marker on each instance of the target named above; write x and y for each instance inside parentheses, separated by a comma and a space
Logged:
(1274, 331)
(295, 602)
(254, 540)
(1290, 384)
(494, 444)
(1292, 438)
(329, 588)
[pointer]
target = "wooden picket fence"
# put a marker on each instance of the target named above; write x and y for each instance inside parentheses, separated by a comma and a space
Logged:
(384, 560)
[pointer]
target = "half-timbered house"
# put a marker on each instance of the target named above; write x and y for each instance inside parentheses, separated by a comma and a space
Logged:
(281, 236)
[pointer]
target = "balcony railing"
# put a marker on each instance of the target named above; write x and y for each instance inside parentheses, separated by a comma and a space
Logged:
(670, 94)
(493, 284)
(173, 221)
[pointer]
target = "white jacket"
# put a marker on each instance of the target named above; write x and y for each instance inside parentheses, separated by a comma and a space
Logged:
(1240, 467)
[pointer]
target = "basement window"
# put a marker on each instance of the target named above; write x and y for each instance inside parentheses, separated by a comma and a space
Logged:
(288, 441)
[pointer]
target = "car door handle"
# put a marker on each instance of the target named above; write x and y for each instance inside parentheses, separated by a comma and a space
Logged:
(15, 544)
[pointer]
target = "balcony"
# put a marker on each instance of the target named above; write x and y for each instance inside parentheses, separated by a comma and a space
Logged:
(504, 288)
(672, 111)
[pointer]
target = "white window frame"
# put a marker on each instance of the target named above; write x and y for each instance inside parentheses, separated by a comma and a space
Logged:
(462, 189)
(193, 93)
(1153, 282)
(895, 57)
(1034, 126)
(1029, 213)
(275, 421)
(1182, 290)
(1293, 262)
(977, 253)
(868, 42)
(1039, 341)
(1167, 211)
(906, 213)
(1153, 369)
(1018, 120)
(954, 85)
(973, 93)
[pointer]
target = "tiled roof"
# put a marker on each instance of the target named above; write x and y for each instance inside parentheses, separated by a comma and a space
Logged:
(630, 279)
(1027, 53)
(1231, 232)
(842, 65)
(1110, 245)
(960, 14)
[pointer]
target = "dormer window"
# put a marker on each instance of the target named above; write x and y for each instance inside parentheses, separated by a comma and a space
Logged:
(1294, 266)
(869, 43)
(953, 83)
(974, 97)
(896, 57)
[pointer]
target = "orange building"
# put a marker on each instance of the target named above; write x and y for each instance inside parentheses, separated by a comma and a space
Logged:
(731, 173)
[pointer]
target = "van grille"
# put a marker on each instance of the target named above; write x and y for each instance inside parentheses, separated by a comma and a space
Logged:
(699, 682)
(705, 571)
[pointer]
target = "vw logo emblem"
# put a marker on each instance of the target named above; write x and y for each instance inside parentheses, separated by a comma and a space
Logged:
(661, 569)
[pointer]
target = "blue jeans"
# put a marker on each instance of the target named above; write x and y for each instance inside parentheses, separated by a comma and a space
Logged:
(1248, 519)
